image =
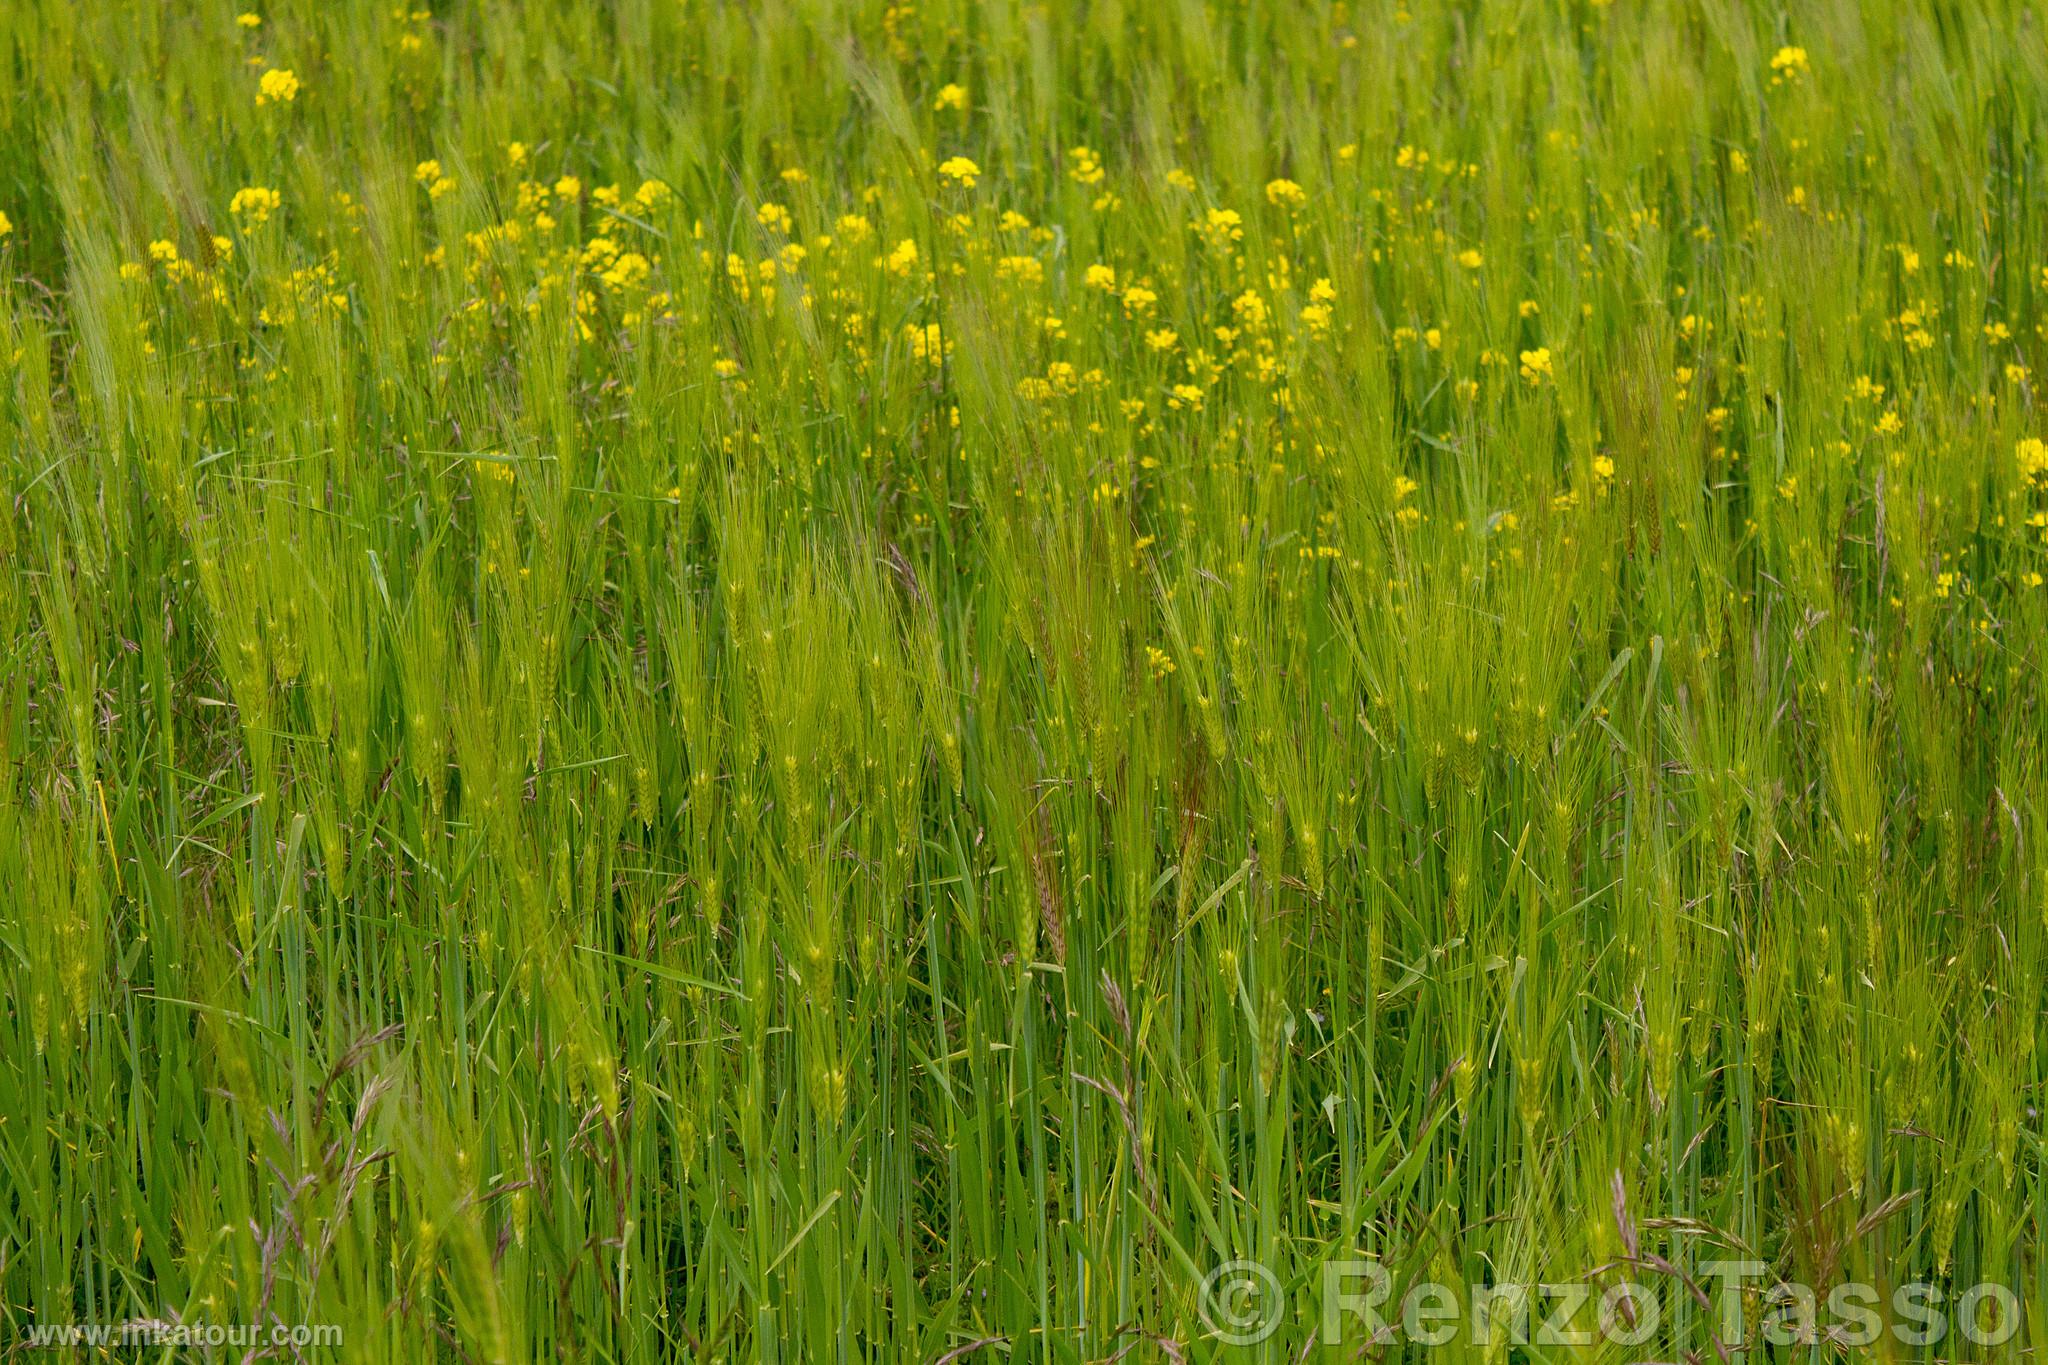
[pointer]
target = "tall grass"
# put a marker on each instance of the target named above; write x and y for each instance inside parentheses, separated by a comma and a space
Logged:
(643, 718)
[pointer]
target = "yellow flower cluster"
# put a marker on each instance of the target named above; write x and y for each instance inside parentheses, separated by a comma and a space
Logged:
(2032, 454)
(255, 204)
(277, 86)
(429, 176)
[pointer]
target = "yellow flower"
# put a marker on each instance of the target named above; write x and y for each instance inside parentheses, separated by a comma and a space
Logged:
(1536, 365)
(6, 225)
(904, 258)
(256, 204)
(725, 368)
(1285, 194)
(1164, 339)
(1789, 62)
(961, 169)
(428, 175)
(249, 20)
(928, 343)
(1100, 277)
(2032, 454)
(951, 97)
(1180, 179)
(515, 154)
(1221, 227)
(568, 187)
(1471, 259)
(277, 86)
(774, 217)
(628, 270)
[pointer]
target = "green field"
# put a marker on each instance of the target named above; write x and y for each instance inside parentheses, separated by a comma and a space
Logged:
(809, 681)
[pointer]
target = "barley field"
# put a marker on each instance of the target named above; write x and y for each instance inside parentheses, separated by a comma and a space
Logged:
(973, 681)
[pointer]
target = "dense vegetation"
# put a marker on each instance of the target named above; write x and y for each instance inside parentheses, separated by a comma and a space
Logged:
(810, 681)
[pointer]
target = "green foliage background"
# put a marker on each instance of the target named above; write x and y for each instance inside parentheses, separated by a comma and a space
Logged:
(642, 718)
